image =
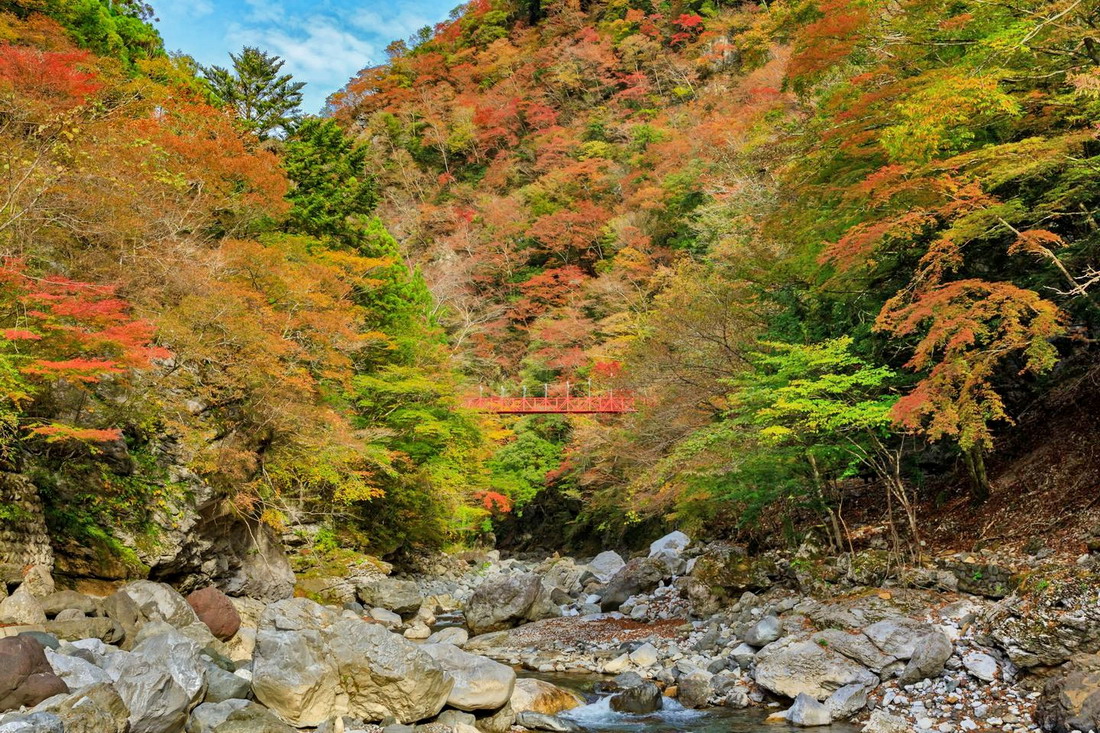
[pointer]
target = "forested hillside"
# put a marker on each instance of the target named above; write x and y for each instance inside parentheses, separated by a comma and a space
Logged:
(198, 307)
(838, 248)
(829, 241)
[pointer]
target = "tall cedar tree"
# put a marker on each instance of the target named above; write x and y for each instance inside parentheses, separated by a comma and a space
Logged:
(332, 193)
(266, 101)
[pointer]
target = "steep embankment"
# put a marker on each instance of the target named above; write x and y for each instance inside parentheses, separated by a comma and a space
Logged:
(650, 195)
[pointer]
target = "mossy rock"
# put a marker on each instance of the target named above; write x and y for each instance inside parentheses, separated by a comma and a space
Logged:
(98, 555)
(732, 571)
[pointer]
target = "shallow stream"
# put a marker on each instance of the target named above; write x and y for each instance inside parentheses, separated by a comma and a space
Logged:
(598, 717)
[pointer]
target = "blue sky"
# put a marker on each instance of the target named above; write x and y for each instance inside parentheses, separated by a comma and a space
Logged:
(324, 42)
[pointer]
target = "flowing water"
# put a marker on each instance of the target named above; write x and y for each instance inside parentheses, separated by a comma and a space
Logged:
(598, 717)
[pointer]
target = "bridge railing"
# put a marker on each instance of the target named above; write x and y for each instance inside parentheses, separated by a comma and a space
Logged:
(557, 405)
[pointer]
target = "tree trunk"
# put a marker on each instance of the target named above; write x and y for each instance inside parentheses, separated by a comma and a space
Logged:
(979, 481)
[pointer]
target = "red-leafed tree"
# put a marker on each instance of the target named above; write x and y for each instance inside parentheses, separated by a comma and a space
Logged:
(60, 335)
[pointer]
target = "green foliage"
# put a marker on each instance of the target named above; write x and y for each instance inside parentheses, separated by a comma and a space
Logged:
(265, 101)
(332, 192)
(518, 469)
(816, 395)
(118, 29)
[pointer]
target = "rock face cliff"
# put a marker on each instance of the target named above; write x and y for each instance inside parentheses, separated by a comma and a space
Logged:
(193, 538)
(24, 539)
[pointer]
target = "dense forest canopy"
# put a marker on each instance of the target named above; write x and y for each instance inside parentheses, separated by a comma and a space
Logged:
(828, 241)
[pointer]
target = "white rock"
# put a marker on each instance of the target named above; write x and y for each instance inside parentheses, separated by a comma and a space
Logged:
(808, 712)
(674, 541)
(981, 666)
(616, 665)
(604, 566)
(644, 656)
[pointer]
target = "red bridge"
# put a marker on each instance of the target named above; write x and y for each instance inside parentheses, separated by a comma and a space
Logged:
(610, 403)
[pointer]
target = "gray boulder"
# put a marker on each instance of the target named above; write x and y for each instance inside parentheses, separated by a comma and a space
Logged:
(21, 608)
(311, 664)
(69, 600)
(222, 685)
(161, 602)
(791, 666)
(847, 701)
(743, 655)
(479, 682)
(928, 658)
(808, 712)
(399, 596)
(605, 565)
(696, 688)
(898, 637)
(160, 680)
(77, 673)
(980, 666)
(764, 631)
(450, 635)
(640, 575)
(505, 601)
(31, 723)
(638, 699)
(675, 542)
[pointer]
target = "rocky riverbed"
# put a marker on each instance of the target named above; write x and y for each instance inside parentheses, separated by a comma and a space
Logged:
(691, 632)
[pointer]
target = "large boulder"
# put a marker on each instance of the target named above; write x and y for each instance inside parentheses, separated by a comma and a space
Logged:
(77, 672)
(1071, 699)
(479, 682)
(808, 712)
(696, 688)
(160, 680)
(540, 696)
(675, 542)
(21, 608)
(638, 700)
(38, 581)
(160, 602)
(605, 565)
(399, 596)
(792, 666)
(311, 664)
(898, 637)
(215, 610)
(640, 575)
(928, 658)
(764, 631)
(505, 601)
(26, 677)
(69, 600)
(729, 570)
(564, 574)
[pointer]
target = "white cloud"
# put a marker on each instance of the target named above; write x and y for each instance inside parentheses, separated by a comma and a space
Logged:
(324, 42)
(316, 51)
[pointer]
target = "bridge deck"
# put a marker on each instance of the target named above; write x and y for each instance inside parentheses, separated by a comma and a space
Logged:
(564, 405)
